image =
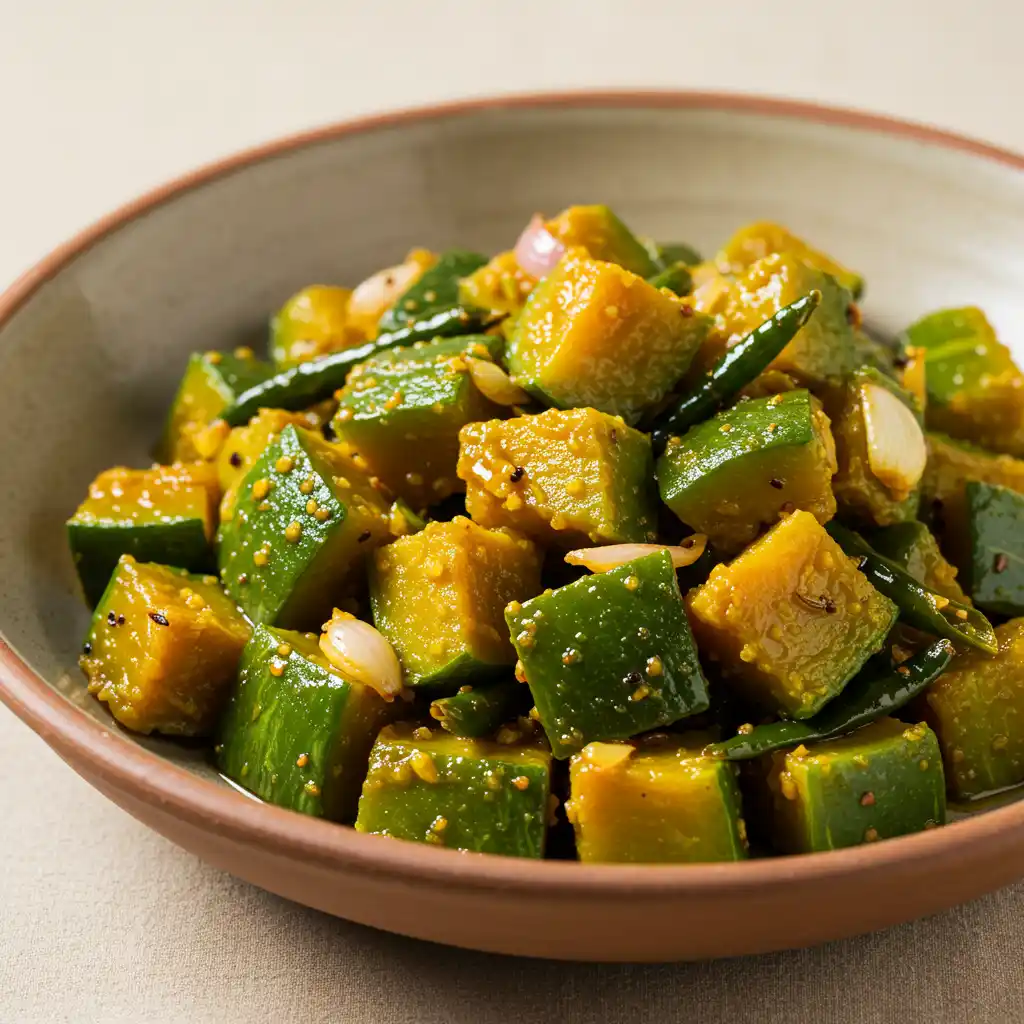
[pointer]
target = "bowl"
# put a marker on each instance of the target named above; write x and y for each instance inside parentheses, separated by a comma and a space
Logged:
(92, 341)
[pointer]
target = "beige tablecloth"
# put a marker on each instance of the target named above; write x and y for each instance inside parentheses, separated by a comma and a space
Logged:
(101, 920)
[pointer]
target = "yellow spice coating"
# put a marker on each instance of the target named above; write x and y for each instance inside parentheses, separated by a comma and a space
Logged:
(786, 616)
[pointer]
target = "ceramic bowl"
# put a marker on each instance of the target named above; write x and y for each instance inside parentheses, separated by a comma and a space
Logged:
(93, 339)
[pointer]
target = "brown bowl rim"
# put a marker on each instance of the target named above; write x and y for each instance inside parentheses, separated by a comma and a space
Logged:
(127, 767)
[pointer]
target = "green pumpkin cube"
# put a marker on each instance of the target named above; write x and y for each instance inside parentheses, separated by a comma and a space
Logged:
(312, 323)
(296, 732)
(594, 334)
(977, 709)
(609, 656)
(304, 522)
(884, 780)
(166, 514)
(656, 800)
(212, 382)
(564, 477)
(825, 350)
(737, 472)
(163, 649)
(765, 238)
(791, 620)
(604, 236)
(439, 595)
(401, 412)
(975, 391)
(463, 794)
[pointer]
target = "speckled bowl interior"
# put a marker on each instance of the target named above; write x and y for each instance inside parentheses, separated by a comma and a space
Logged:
(92, 348)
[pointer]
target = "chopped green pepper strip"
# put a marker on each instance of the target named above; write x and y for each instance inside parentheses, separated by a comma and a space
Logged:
(880, 689)
(737, 368)
(919, 606)
(676, 277)
(479, 710)
(304, 385)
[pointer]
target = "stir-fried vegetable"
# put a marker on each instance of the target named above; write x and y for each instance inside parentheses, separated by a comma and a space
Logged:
(591, 500)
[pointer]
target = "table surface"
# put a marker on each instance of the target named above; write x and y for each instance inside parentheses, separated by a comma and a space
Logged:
(102, 920)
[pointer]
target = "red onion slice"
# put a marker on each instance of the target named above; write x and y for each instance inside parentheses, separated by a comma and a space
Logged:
(538, 251)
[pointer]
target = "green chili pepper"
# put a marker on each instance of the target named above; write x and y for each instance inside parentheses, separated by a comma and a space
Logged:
(737, 368)
(880, 689)
(671, 252)
(676, 277)
(480, 710)
(304, 385)
(919, 606)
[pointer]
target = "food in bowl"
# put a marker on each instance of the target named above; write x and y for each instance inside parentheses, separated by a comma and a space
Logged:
(592, 548)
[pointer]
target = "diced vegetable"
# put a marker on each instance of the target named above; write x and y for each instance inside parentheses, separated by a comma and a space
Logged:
(500, 285)
(479, 710)
(296, 732)
(655, 800)
(435, 290)
(995, 572)
(919, 606)
(813, 624)
(304, 523)
(943, 490)
(977, 710)
(167, 513)
(212, 383)
(565, 477)
(610, 655)
(883, 781)
(880, 450)
(438, 596)
(593, 334)
(823, 352)
(163, 649)
(401, 412)
(604, 236)
(736, 473)
(463, 794)
(975, 390)
(763, 238)
(245, 444)
(912, 547)
(312, 323)
(881, 688)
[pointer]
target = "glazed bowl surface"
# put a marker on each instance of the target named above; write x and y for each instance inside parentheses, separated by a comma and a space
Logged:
(93, 339)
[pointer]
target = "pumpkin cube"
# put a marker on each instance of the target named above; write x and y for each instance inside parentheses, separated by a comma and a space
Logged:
(564, 477)
(791, 620)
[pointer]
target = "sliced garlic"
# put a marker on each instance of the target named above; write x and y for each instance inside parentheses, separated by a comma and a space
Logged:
(494, 383)
(362, 654)
(897, 451)
(611, 556)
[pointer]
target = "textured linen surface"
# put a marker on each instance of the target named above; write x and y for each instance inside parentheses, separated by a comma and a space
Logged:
(104, 921)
